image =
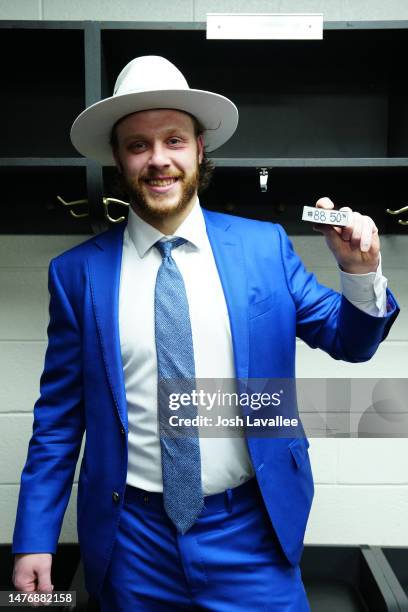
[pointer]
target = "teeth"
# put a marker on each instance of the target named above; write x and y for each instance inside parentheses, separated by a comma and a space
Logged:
(161, 182)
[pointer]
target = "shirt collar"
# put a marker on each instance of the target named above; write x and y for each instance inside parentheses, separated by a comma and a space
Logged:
(144, 235)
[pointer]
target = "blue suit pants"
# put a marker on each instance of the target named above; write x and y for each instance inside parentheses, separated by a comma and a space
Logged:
(229, 561)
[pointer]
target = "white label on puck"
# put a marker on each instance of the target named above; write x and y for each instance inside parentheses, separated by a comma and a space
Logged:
(328, 217)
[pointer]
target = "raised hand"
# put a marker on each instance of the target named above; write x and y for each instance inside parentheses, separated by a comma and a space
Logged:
(356, 247)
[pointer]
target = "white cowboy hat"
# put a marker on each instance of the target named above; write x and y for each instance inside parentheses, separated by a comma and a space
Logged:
(145, 83)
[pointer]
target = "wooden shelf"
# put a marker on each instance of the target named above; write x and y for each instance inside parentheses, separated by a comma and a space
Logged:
(317, 162)
(42, 162)
(326, 117)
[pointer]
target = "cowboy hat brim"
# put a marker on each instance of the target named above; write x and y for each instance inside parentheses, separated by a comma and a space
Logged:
(91, 130)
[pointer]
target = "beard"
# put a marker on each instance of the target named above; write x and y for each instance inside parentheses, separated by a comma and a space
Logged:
(152, 207)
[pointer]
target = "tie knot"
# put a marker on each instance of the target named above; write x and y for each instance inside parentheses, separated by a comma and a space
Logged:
(165, 247)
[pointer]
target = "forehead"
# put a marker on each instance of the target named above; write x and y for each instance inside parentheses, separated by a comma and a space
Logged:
(155, 120)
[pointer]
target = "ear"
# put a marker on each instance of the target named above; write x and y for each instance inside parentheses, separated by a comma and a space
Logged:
(200, 147)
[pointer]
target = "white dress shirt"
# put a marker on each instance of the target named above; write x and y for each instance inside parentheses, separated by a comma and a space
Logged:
(225, 462)
(366, 291)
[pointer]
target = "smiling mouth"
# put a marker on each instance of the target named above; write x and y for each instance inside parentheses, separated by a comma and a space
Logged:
(161, 182)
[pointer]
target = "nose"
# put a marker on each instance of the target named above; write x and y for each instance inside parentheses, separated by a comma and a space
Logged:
(158, 157)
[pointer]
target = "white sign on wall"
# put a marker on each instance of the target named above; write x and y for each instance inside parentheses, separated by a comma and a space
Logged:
(265, 26)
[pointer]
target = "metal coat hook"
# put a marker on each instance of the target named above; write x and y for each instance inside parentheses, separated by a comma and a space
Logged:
(398, 212)
(105, 202)
(74, 203)
(263, 179)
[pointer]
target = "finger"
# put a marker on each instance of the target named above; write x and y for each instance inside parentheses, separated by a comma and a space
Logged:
(25, 582)
(339, 229)
(323, 228)
(324, 203)
(44, 585)
(366, 233)
(347, 231)
(355, 239)
(44, 580)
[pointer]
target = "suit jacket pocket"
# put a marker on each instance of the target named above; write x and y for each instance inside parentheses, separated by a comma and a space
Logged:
(299, 451)
(261, 307)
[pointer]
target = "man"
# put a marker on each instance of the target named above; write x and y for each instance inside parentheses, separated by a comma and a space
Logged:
(191, 522)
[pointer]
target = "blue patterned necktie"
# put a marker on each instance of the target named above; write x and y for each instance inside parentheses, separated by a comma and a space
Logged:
(180, 449)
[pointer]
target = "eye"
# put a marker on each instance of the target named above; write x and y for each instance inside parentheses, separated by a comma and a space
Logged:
(175, 140)
(137, 145)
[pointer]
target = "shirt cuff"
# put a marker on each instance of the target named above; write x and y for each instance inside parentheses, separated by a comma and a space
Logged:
(368, 292)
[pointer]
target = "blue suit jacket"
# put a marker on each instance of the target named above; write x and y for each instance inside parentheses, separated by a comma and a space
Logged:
(271, 299)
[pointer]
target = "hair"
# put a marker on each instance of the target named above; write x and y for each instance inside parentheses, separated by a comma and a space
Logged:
(206, 167)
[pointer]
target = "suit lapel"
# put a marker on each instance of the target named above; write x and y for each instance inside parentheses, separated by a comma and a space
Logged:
(228, 253)
(104, 271)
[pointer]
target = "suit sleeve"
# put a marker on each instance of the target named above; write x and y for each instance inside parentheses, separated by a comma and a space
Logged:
(326, 319)
(58, 429)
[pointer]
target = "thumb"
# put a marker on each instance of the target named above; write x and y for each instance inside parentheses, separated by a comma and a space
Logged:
(330, 231)
(44, 580)
(324, 228)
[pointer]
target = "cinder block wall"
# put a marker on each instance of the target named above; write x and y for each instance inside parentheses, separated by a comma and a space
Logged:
(361, 484)
(196, 10)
